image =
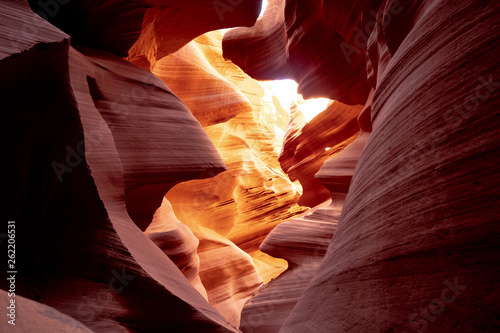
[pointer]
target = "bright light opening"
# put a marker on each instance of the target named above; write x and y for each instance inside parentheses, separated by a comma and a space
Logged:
(312, 107)
(286, 92)
(264, 5)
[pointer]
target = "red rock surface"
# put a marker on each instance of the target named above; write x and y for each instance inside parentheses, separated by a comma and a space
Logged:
(42, 318)
(139, 104)
(169, 25)
(78, 250)
(303, 243)
(307, 145)
(416, 247)
(146, 30)
(233, 212)
(178, 242)
(94, 141)
(298, 39)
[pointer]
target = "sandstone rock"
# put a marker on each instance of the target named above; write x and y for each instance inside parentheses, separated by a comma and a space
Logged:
(209, 95)
(253, 195)
(416, 247)
(30, 316)
(302, 38)
(232, 212)
(137, 104)
(408, 241)
(178, 242)
(303, 243)
(307, 145)
(145, 30)
(70, 166)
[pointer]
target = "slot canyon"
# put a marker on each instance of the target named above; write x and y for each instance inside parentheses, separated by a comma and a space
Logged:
(276, 166)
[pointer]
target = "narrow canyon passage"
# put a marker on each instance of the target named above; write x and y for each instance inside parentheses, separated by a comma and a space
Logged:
(248, 166)
(231, 213)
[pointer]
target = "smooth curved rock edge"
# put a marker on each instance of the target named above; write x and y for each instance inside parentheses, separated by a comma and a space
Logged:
(68, 178)
(232, 212)
(303, 242)
(298, 40)
(416, 247)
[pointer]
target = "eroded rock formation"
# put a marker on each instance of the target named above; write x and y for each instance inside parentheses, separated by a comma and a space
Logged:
(144, 30)
(303, 243)
(307, 146)
(79, 248)
(408, 242)
(420, 210)
(42, 318)
(422, 200)
(178, 242)
(240, 206)
(299, 39)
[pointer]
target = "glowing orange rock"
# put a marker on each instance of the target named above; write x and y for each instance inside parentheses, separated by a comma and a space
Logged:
(178, 242)
(144, 30)
(303, 242)
(232, 212)
(307, 145)
(74, 156)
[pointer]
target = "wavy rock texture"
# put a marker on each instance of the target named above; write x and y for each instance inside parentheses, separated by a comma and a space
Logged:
(94, 142)
(169, 25)
(416, 247)
(178, 242)
(242, 205)
(86, 129)
(197, 74)
(149, 172)
(307, 145)
(42, 318)
(146, 30)
(303, 243)
(298, 39)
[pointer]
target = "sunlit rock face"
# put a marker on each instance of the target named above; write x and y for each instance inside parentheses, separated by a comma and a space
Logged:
(156, 143)
(145, 30)
(243, 204)
(303, 242)
(307, 145)
(141, 208)
(178, 242)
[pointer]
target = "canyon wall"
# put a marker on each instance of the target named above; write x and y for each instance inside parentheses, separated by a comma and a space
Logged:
(416, 246)
(141, 140)
(86, 133)
(232, 212)
(151, 192)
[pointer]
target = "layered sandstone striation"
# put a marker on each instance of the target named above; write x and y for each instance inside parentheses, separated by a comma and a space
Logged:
(144, 30)
(42, 318)
(303, 242)
(407, 156)
(307, 146)
(232, 212)
(414, 249)
(298, 39)
(159, 144)
(85, 131)
(416, 246)
(178, 242)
